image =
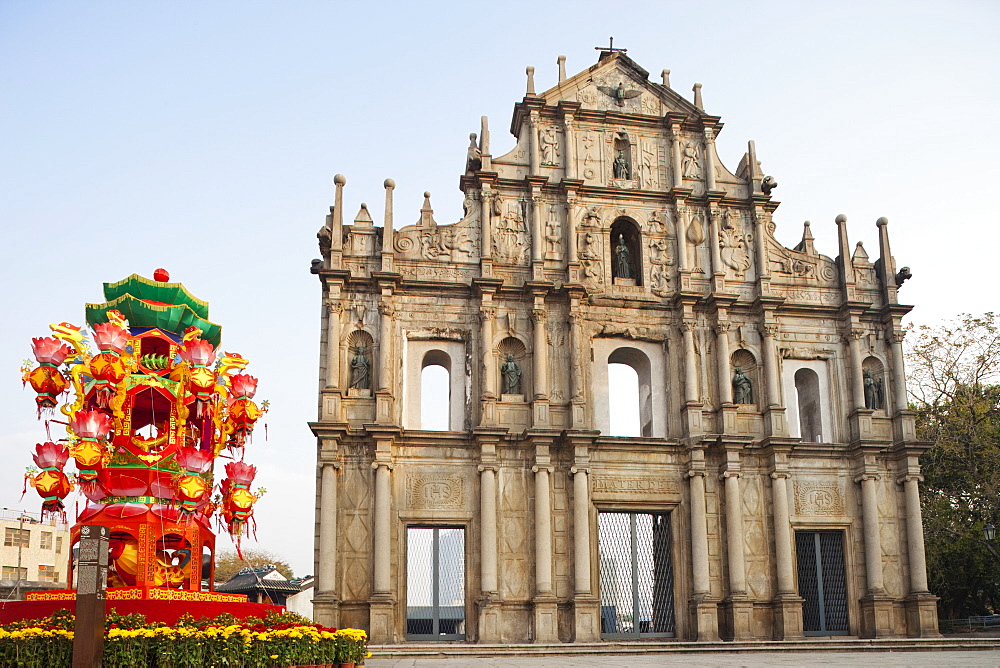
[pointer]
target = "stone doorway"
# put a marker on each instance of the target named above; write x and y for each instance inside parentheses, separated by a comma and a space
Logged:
(822, 582)
(637, 582)
(435, 583)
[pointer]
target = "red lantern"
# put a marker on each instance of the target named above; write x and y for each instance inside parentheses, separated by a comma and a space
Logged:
(243, 412)
(51, 483)
(92, 427)
(237, 499)
(46, 379)
(190, 487)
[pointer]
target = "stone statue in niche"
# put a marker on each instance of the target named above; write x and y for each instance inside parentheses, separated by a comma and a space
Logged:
(691, 163)
(621, 166)
(873, 391)
(550, 147)
(360, 365)
(623, 259)
(511, 374)
(742, 388)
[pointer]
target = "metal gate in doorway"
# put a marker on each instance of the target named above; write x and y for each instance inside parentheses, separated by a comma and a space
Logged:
(435, 583)
(637, 580)
(822, 582)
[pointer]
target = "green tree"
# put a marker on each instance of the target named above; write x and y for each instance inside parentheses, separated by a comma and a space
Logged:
(228, 563)
(954, 374)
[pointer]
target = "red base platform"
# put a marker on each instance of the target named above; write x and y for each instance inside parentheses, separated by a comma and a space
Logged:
(158, 605)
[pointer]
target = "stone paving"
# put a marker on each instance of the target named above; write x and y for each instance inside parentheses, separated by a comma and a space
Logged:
(748, 660)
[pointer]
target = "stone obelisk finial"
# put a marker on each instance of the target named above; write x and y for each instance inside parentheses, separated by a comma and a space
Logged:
(530, 71)
(562, 68)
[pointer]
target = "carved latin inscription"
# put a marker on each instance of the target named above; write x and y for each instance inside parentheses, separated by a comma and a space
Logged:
(435, 491)
(616, 487)
(818, 498)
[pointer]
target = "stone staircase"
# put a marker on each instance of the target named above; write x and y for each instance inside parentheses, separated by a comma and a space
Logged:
(444, 650)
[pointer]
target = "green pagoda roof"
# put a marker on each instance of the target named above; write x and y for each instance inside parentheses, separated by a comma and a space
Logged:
(150, 303)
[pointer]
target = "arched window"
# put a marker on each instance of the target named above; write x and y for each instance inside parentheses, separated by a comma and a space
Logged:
(626, 252)
(623, 397)
(807, 394)
(630, 393)
(435, 391)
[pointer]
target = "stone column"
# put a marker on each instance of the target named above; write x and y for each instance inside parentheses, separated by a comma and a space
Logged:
(739, 607)
(774, 412)
(488, 316)
(915, 534)
(325, 603)
(490, 608)
(857, 375)
(540, 358)
(680, 220)
(718, 269)
(787, 603)
(385, 346)
(769, 352)
(382, 604)
(333, 311)
(537, 228)
(710, 163)
(782, 534)
(675, 158)
(724, 367)
(570, 147)
(543, 532)
(876, 605)
(873, 543)
(581, 530)
(699, 533)
(383, 529)
(327, 572)
(387, 235)
(534, 157)
(488, 522)
(577, 406)
(920, 604)
(704, 610)
(898, 373)
(545, 603)
(690, 363)
(734, 533)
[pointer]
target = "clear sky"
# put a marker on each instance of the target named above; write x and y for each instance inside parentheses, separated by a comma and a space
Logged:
(203, 137)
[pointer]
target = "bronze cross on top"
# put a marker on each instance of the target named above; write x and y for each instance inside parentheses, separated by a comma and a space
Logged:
(610, 48)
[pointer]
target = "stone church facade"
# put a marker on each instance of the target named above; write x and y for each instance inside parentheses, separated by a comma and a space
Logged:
(770, 486)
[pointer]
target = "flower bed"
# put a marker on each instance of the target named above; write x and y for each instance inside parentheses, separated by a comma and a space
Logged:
(130, 641)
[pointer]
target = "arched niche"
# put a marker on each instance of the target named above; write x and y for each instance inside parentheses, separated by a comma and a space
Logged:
(745, 361)
(359, 342)
(874, 383)
(625, 232)
(518, 353)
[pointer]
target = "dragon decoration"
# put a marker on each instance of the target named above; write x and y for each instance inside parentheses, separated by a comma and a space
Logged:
(146, 418)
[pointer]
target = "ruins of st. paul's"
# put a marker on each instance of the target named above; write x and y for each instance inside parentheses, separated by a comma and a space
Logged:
(768, 484)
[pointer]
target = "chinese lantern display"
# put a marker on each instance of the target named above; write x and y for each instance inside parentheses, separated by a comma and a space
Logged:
(146, 418)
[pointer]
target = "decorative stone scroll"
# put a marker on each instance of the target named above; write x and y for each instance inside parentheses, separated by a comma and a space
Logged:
(818, 498)
(435, 492)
